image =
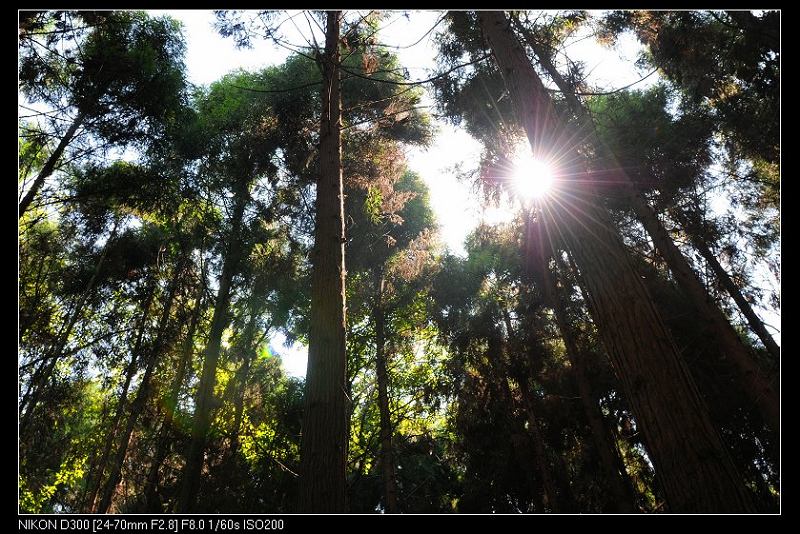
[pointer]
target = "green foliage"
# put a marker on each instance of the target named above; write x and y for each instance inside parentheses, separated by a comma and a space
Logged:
(660, 152)
(727, 63)
(126, 72)
(122, 269)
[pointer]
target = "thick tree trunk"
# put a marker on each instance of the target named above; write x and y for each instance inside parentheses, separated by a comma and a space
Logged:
(689, 456)
(142, 396)
(613, 467)
(50, 164)
(381, 371)
(760, 388)
(323, 448)
(204, 399)
(622, 498)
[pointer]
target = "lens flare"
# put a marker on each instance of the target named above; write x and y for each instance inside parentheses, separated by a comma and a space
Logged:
(532, 178)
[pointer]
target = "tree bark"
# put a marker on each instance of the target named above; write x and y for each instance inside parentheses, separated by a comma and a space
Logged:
(610, 459)
(757, 384)
(204, 399)
(323, 447)
(694, 466)
(623, 499)
(761, 389)
(538, 255)
(50, 164)
(381, 371)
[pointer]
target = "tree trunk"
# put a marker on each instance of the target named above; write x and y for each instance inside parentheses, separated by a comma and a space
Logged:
(48, 363)
(551, 500)
(136, 352)
(623, 499)
(497, 357)
(696, 471)
(142, 395)
(323, 448)
(241, 379)
(171, 403)
(381, 371)
(50, 164)
(760, 388)
(204, 398)
(247, 354)
(724, 278)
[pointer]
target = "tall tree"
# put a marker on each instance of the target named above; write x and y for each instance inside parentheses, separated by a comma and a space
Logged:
(760, 387)
(120, 81)
(693, 228)
(323, 450)
(685, 446)
(391, 240)
(236, 156)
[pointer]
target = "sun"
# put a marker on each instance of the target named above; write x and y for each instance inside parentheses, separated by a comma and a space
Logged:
(531, 178)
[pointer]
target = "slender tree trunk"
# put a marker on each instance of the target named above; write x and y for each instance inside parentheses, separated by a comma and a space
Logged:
(381, 371)
(247, 353)
(551, 501)
(241, 380)
(142, 395)
(50, 164)
(521, 446)
(761, 389)
(25, 320)
(136, 352)
(151, 500)
(48, 363)
(204, 399)
(323, 446)
(697, 473)
(163, 443)
(733, 290)
(497, 357)
(83, 499)
(757, 384)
